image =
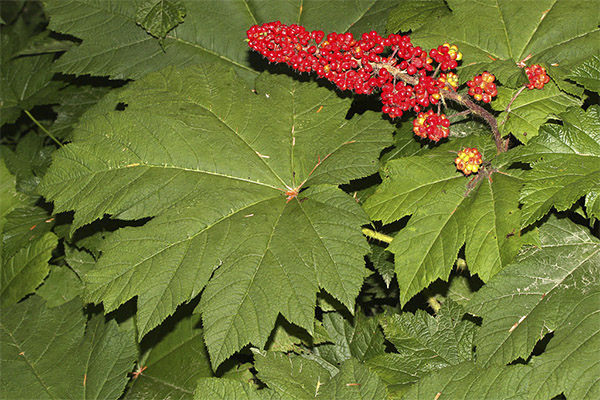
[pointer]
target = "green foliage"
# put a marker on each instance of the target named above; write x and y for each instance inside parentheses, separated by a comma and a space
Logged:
(248, 159)
(181, 219)
(54, 353)
(566, 164)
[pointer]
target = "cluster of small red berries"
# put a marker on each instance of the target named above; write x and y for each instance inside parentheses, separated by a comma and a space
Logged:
(432, 126)
(537, 77)
(482, 87)
(360, 65)
(468, 160)
(446, 55)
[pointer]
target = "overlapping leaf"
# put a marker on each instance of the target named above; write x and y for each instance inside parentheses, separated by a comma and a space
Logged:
(510, 31)
(113, 45)
(588, 74)
(47, 355)
(424, 344)
(297, 377)
(530, 109)
(566, 164)
(160, 16)
(537, 294)
(360, 339)
(410, 15)
(212, 160)
(570, 363)
(26, 248)
(226, 389)
(469, 381)
(445, 214)
(174, 361)
(25, 80)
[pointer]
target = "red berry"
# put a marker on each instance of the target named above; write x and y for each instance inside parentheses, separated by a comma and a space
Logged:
(537, 77)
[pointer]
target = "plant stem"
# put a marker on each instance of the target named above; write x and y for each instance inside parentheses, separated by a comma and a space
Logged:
(507, 109)
(501, 145)
(382, 237)
(42, 128)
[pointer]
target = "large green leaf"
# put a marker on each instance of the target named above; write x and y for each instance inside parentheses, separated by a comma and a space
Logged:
(212, 160)
(445, 214)
(537, 294)
(174, 360)
(530, 109)
(213, 30)
(46, 355)
(566, 164)
(510, 31)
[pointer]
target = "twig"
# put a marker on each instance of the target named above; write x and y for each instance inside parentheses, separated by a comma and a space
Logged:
(42, 128)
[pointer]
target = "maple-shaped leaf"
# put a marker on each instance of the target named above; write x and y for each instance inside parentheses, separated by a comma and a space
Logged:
(445, 214)
(47, 355)
(25, 81)
(213, 31)
(588, 74)
(566, 164)
(173, 359)
(537, 294)
(530, 109)
(158, 17)
(213, 161)
(541, 31)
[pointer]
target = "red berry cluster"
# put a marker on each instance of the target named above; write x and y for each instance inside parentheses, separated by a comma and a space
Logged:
(446, 55)
(537, 77)
(362, 65)
(482, 87)
(432, 126)
(468, 160)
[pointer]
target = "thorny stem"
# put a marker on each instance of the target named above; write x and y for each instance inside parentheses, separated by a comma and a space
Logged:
(42, 128)
(501, 145)
(382, 237)
(507, 109)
